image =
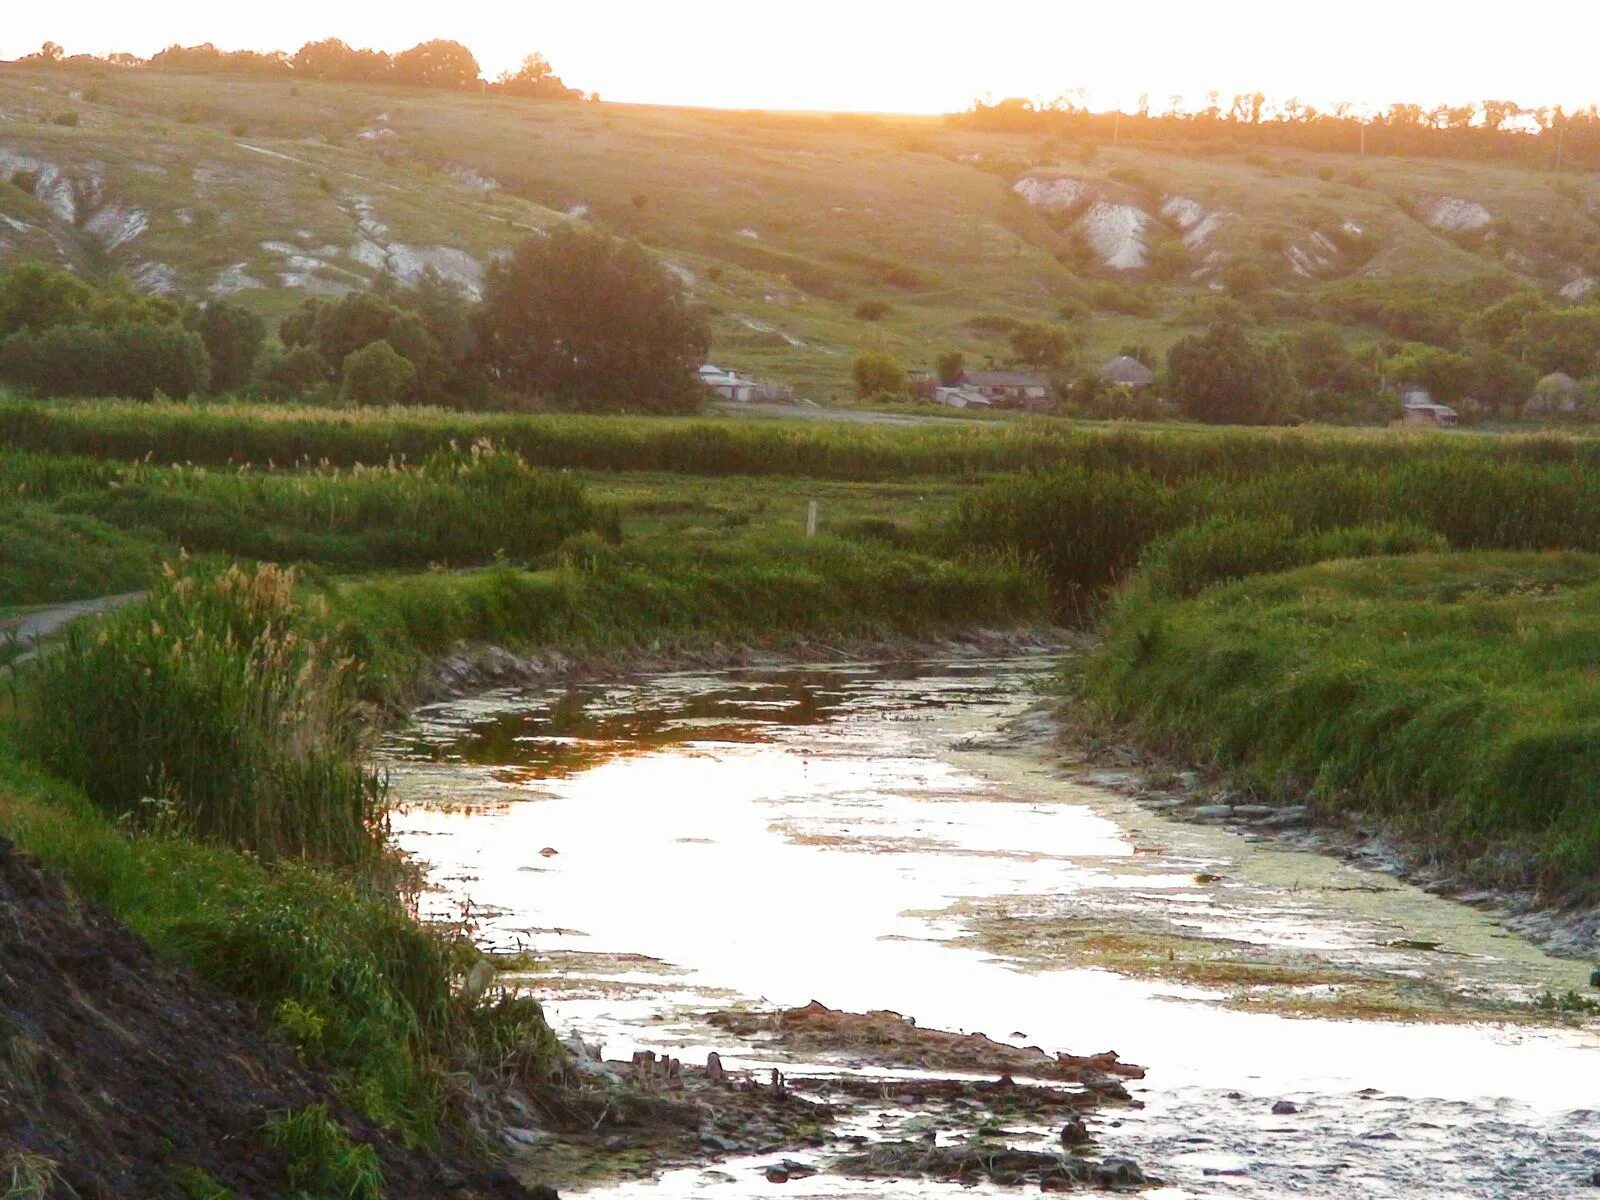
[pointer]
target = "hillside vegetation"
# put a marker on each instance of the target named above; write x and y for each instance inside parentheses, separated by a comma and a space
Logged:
(784, 226)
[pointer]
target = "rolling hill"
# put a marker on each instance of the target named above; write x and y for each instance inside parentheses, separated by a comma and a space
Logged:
(782, 224)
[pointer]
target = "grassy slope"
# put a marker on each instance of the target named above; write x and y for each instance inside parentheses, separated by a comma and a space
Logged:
(840, 209)
(1454, 694)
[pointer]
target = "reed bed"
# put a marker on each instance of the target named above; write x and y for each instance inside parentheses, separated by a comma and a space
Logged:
(267, 437)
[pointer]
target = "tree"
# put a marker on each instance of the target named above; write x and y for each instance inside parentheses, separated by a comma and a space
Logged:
(289, 374)
(36, 297)
(951, 367)
(233, 338)
(436, 64)
(338, 328)
(136, 360)
(1045, 347)
(537, 79)
(1563, 339)
(593, 320)
(1500, 381)
(877, 372)
(1336, 382)
(1221, 377)
(332, 59)
(1500, 325)
(1447, 376)
(375, 374)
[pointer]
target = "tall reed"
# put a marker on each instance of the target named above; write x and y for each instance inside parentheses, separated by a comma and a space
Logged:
(214, 707)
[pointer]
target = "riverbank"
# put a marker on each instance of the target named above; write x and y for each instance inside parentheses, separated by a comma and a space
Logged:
(1425, 715)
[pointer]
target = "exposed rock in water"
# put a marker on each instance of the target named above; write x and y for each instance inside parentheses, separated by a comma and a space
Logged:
(889, 1039)
(979, 1162)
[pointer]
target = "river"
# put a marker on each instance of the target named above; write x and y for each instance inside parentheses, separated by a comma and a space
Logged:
(873, 837)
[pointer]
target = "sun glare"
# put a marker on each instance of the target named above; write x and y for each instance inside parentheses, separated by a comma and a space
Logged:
(925, 57)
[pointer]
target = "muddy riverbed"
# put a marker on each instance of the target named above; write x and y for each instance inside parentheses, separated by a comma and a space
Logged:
(899, 837)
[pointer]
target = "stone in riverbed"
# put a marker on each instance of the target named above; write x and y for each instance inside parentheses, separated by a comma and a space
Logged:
(1212, 812)
(1075, 1133)
(1284, 1108)
(1119, 1172)
(1254, 812)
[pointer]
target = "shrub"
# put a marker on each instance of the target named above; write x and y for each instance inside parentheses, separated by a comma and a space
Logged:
(879, 372)
(214, 707)
(375, 374)
(1186, 562)
(1082, 528)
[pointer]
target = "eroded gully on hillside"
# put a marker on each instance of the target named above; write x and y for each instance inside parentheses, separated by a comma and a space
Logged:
(680, 856)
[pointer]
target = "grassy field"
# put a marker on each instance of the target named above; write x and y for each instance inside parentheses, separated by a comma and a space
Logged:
(782, 224)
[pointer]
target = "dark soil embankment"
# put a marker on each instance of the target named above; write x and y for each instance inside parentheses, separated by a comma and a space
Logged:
(122, 1075)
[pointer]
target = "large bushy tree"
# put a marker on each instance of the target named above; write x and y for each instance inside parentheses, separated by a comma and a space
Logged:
(136, 359)
(591, 320)
(34, 296)
(437, 64)
(1223, 378)
(233, 338)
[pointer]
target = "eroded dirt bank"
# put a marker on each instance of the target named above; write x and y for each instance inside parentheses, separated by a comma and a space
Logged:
(123, 1077)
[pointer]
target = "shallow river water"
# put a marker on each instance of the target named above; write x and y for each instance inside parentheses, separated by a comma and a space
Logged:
(678, 843)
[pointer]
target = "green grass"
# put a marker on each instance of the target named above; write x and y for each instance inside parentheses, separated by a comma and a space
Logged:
(455, 507)
(1086, 527)
(297, 943)
(323, 1162)
(70, 441)
(28, 1177)
(759, 589)
(1453, 695)
(52, 556)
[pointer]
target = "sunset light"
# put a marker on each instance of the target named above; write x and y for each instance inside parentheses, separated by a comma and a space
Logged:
(849, 600)
(937, 56)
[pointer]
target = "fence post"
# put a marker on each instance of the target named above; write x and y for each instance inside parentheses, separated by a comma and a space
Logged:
(811, 519)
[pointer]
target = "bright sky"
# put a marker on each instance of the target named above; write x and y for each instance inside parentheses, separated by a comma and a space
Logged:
(918, 55)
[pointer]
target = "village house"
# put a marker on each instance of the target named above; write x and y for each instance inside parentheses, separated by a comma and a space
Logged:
(1009, 389)
(961, 397)
(729, 385)
(1128, 372)
(1418, 408)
